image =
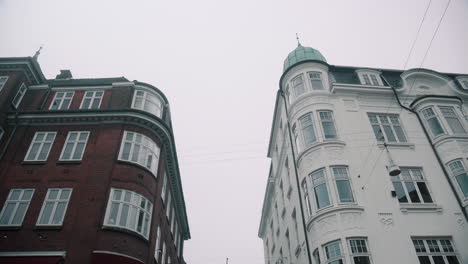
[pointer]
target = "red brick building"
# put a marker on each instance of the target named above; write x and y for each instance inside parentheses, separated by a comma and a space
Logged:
(88, 170)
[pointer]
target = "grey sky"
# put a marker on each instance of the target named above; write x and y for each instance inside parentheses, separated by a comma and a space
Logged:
(219, 63)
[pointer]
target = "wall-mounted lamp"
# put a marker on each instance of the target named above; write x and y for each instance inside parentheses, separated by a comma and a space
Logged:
(393, 169)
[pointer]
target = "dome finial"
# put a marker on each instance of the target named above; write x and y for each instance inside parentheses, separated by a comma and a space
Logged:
(298, 42)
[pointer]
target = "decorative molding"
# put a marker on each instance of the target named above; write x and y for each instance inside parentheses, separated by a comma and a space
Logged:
(386, 219)
(33, 253)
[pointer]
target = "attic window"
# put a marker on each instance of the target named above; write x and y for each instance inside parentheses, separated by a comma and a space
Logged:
(370, 78)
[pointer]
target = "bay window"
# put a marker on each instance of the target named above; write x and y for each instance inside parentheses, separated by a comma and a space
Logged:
(148, 101)
(140, 149)
(129, 210)
(452, 119)
(433, 121)
(315, 80)
(334, 253)
(343, 185)
(328, 124)
(307, 128)
(359, 251)
(298, 86)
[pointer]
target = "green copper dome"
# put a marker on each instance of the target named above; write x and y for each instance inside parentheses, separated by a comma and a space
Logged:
(302, 53)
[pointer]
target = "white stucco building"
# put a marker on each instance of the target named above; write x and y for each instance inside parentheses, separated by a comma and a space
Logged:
(336, 130)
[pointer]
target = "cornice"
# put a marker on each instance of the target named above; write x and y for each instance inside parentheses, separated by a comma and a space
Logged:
(124, 116)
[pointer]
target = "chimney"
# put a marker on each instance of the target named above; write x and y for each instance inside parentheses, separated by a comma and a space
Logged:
(64, 75)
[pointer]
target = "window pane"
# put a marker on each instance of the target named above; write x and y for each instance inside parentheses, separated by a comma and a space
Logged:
(329, 130)
(44, 151)
(400, 192)
(78, 151)
(435, 126)
(113, 213)
(424, 192)
(124, 215)
(27, 194)
(20, 211)
(378, 133)
(399, 131)
(321, 195)
(67, 151)
(33, 151)
(317, 84)
(46, 213)
(438, 259)
(462, 180)
(344, 191)
(59, 212)
(361, 260)
(15, 195)
(7, 213)
(389, 133)
(452, 260)
(424, 260)
(65, 194)
(53, 194)
(413, 194)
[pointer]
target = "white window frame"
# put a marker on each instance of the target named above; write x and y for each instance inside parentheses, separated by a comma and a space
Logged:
(407, 176)
(453, 115)
(332, 258)
(163, 257)
(55, 202)
(75, 143)
(342, 178)
(164, 187)
(138, 144)
(91, 95)
(293, 86)
(133, 204)
(19, 95)
(318, 182)
(302, 129)
(458, 170)
(60, 102)
(41, 143)
(431, 247)
(306, 195)
(393, 121)
(313, 77)
(157, 249)
(145, 99)
(3, 80)
(368, 77)
(21, 200)
(361, 250)
(330, 119)
(435, 114)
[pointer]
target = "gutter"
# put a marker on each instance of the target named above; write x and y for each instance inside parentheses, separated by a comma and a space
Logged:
(447, 176)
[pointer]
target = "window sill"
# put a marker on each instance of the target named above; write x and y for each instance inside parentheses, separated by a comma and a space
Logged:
(10, 227)
(34, 162)
(396, 145)
(420, 208)
(136, 165)
(333, 209)
(47, 227)
(69, 162)
(127, 231)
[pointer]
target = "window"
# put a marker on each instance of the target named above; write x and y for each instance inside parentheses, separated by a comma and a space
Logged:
(320, 188)
(40, 146)
(15, 207)
(61, 101)
(307, 128)
(164, 187)
(435, 251)
(168, 206)
(2, 131)
(54, 207)
(371, 79)
(343, 185)
(359, 251)
(298, 86)
(306, 197)
(433, 121)
(129, 210)
(410, 186)
(92, 100)
(19, 95)
(158, 240)
(459, 172)
(452, 120)
(163, 258)
(328, 125)
(140, 149)
(316, 80)
(387, 127)
(74, 146)
(147, 101)
(333, 253)
(3, 80)
(316, 256)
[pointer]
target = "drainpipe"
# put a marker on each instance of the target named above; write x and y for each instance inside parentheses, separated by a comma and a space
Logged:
(309, 256)
(447, 176)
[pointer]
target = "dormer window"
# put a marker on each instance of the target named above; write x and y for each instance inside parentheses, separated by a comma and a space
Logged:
(316, 80)
(370, 78)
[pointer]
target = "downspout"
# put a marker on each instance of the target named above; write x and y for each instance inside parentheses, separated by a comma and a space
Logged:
(297, 178)
(433, 148)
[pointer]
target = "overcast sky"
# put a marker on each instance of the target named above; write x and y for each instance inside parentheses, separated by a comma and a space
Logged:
(219, 63)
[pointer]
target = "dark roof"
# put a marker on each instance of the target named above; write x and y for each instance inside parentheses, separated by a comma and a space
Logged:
(84, 82)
